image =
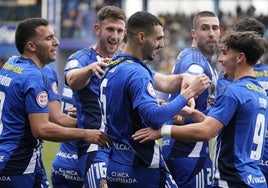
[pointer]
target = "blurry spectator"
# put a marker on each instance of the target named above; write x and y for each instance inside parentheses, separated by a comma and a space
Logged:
(80, 26)
(68, 24)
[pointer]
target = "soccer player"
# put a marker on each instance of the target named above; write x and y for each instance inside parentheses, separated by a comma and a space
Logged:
(189, 162)
(260, 72)
(24, 107)
(128, 103)
(80, 74)
(260, 69)
(238, 118)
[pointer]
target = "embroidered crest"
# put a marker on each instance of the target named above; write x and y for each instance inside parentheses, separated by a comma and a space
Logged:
(42, 99)
(71, 64)
(151, 90)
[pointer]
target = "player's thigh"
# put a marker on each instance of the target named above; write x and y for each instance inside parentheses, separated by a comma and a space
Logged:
(125, 176)
(96, 168)
(66, 178)
(191, 172)
(24, 180)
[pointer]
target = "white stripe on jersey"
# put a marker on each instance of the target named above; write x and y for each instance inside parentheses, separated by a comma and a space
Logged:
(196, 150)
(156, 156)
(34, 160)
(200, 182)
(90, 177)
(92, 147)
(223, 184)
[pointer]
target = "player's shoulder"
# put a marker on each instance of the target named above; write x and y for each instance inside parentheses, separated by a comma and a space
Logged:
(47, 69)
(83, 53)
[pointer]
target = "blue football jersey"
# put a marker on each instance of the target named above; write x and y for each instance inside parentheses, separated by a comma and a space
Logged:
(52, 83)
(86, 99)
(222, 83)
(193, 62)
(23, 91)
(128, 103)
(242, 109)
(261, 74)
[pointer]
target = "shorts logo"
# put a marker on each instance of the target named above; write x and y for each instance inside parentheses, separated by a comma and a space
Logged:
(150, 89)
(42, 99)
(55, 88)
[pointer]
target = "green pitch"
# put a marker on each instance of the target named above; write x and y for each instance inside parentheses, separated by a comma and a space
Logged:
(48, 153)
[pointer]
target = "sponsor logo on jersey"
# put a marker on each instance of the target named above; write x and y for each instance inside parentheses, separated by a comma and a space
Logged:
(151, 90)
(5, 178)
(54, 87)
(68, 174)
(255, 88)
(253, 180)
(121, 177)
(264, 163)
(71, 64)
(67, 155)
(122, 147)
(42, 99)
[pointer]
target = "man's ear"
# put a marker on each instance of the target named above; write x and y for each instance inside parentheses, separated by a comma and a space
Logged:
(30, 45)
(140, 36)
(96, 28)
(193, 33)
(241, 57)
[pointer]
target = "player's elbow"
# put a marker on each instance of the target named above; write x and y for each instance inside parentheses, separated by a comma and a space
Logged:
(207, 136)
(38, 134)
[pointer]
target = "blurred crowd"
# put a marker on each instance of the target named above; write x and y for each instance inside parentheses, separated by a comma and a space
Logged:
(178, 34)
(79, 16)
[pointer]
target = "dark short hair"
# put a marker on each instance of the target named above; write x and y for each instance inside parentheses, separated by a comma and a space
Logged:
(248, 42)
(111, 12)
(26, 30)
(201, 14)
(142, 21)
(250, 24)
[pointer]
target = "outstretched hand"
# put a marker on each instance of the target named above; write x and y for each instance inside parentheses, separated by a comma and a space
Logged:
(97, 67)
(147, 134)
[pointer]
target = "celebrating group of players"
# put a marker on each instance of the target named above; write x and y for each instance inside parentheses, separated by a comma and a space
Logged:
(111, 117)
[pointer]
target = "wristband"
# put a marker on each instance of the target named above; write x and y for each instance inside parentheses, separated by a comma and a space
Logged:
(166, 130)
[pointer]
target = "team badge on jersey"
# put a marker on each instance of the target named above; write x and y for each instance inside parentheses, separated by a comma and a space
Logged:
(151, 90)
(103, 184)
(42, 99)
(55, 88)
(195, 69)
(71, 64)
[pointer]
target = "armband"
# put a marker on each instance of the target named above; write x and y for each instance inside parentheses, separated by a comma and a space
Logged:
(166, 130)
